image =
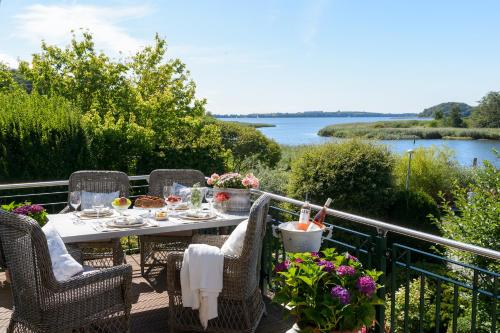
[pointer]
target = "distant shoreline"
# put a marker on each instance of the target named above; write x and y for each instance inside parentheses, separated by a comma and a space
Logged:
(409, 129)
(318, 114)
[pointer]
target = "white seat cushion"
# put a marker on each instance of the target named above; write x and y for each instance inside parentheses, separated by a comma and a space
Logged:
(234, 244)
(64, 266)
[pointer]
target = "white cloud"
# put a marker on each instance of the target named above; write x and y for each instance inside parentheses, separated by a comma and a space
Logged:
(7, 59)
(53, 24)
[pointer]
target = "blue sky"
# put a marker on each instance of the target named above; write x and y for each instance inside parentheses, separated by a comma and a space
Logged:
(289, 56)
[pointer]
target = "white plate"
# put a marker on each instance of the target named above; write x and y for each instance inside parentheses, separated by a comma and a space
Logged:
(112, 224)
(186, 216)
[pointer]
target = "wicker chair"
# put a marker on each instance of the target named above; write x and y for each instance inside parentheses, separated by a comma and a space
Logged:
(98, 301)
(108, 252)
(240, 304)
(154, 248)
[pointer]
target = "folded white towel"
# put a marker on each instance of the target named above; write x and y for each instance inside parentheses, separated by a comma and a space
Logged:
(201, 279)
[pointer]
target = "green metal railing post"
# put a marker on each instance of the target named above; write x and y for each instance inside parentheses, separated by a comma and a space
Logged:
(381, 265)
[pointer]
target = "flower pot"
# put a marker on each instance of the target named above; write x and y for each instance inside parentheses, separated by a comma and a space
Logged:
(296, 329)
(297, 241)
(239, 199)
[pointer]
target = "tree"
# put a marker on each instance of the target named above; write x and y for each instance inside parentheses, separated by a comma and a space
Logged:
(487, 113)
(438, 115)
(474, 216)
(455, 119)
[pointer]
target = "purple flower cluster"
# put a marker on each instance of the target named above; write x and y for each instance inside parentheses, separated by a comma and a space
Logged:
(298, 261)
(350, 257)
(28, 210)
(344, 270)
(315, 254)
(341, 293)
(328, 266)
(282, 266)
(366, 285)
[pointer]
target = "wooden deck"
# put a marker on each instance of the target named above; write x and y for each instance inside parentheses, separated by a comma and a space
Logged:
(150, 305)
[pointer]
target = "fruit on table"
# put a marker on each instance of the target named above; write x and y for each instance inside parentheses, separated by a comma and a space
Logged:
(121, 202)
(174, 198)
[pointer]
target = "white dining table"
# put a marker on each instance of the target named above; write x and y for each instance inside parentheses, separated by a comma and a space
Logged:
(92, 229)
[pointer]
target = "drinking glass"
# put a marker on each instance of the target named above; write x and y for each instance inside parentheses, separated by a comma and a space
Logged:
(209, 197)
(168, 191)
(75, 201)
(97, 204)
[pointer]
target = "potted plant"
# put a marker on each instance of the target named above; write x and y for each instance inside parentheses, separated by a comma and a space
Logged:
(236, 188)
(327, 292)
(36, 212)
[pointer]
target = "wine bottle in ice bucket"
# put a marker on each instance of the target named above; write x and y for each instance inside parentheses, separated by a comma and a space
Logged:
(305, 215)
(319, 218)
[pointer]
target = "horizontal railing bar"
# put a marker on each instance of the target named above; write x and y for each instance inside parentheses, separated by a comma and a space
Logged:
(54, 183)
(32, 194)
(387, 227)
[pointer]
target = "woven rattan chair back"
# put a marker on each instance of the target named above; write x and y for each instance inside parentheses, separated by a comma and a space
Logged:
(163, 177)
(27, 258)
(99, 181)
(252, 245)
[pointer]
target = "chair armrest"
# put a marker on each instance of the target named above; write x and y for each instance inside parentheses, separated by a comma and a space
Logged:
(121, 274)
(174, 264)
(65, 210)
(215, 240)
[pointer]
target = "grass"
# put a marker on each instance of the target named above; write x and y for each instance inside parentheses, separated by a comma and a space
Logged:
(254, 125)
(408, 129)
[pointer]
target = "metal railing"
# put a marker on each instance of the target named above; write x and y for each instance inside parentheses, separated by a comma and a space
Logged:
(424, 290)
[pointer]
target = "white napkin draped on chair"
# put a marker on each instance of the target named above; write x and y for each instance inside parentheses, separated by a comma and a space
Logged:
(201, 279)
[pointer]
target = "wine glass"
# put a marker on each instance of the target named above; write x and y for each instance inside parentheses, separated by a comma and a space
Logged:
(97, 204)
(209, 197)
(75, 201)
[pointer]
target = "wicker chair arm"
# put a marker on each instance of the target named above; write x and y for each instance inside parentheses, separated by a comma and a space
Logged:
(215, 240)
(65, 210)
(122, 274)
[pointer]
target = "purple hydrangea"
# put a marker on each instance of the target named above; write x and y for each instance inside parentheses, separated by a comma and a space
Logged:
(28, 209)
(366, 285)
(328, 266)
(282, 266)
(341, 294)
(350, 257)
(346, 270)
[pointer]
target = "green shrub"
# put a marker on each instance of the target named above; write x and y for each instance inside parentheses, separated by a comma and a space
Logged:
(40, 138)
(248, 146)
(411, 209)
(433, 170)
(430, 296)
(356, 175)
(474, 216)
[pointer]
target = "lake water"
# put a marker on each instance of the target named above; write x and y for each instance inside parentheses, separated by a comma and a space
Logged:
(302, 131)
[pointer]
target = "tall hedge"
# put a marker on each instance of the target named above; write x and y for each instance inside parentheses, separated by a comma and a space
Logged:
(40, 138)
(355, 174)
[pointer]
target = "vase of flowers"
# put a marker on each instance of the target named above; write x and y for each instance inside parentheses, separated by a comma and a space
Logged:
(235, 188)
(327, 292)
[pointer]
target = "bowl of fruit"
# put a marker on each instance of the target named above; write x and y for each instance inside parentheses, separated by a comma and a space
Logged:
(173, 200)
(121, 204)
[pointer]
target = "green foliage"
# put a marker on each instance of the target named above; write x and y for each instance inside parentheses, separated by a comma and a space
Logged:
(40, 137)
(474, 216)
(248, 146)
(445, 109)
(408, 129)
(487, 113)
(429, 296)
(306, 283)
(356, 175)
(455, 119)
(7, 82)
(438, 115)
(411, 209)
(433, 170)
